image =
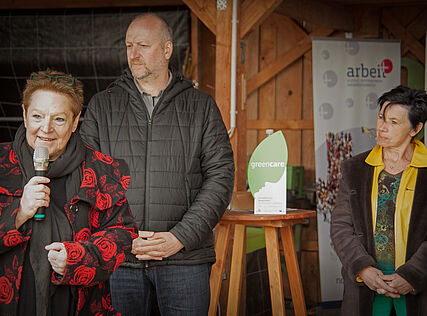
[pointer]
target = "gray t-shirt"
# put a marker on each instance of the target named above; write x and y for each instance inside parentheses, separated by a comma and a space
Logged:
(149, 100)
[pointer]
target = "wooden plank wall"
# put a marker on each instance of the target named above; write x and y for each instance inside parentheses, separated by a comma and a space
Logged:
(289, 95)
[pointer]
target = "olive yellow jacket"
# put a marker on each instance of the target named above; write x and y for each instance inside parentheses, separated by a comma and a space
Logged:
(405, 195)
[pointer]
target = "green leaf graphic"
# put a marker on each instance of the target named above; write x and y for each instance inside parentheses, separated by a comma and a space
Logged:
(268, 162)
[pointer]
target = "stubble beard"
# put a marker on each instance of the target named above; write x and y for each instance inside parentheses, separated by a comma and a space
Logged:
(141, 73)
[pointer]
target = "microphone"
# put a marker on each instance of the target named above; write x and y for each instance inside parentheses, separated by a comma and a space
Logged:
(41, 162)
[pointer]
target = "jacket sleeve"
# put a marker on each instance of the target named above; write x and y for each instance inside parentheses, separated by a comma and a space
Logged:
(89, 128)
(217, 167)
(415, 269)
(92, 261)
(11, 237)
(345, 239)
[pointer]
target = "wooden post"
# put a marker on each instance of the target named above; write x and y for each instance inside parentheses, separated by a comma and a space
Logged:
(223, 62)
(195, 47)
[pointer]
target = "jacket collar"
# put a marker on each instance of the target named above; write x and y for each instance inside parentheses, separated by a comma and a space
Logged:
(419, 160)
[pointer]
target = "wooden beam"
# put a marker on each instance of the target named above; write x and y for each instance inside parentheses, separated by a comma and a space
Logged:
(289, 85)
(307, 142)
(283, 61)
(251, 66)
(282, 124)
(286, 28)
(318, 13)
(239, 141)
(267, 93)
(382, 3)
(418, 26)
(205, 10)
(366, 22)
(65, 4)
(254, 12)
(401, 33)
(223, 62)
(195, 47)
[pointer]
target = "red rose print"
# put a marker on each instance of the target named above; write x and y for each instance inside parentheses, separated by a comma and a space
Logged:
(4, 191)
(90, 193)
(110, 188)
(15, 211)
(15, 171)
(83, 234)
(125, 181)
(108, 248)
(89, 178)
(103, 201)
(102, 180)
(83, 275)
(115, 164)
(117, 173)
(94, 218)
(10, 275)
(18, 278)
(6, 290)
(121, 201)
(12, 238)
(106, 302)
(15, 263)
(12, 157)
(75, 253)
(120, 258)
(95, 306)
(100, 233)
(81, 302)
(103, 158)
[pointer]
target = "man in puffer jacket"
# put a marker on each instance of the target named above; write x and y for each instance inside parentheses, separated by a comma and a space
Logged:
(182, 172)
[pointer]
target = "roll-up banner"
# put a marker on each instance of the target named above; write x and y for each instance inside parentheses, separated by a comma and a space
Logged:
(348, 77)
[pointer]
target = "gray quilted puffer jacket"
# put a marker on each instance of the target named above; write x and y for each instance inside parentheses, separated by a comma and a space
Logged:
(181, 161)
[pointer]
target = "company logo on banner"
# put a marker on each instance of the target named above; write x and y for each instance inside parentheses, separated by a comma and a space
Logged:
(267, 175)
(348, 78)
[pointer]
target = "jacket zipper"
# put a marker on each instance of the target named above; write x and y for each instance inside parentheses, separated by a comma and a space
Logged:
(148, 160)
(147, 174)
(147, 163)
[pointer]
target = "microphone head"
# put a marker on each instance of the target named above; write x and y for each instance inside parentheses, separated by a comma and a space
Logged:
(41, 158)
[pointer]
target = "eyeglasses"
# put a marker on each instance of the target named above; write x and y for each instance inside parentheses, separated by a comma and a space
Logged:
(62, 80)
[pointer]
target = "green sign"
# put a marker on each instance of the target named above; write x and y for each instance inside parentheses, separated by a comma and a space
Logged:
(267, 175)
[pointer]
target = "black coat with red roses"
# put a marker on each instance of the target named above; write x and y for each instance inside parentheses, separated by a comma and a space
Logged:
(98, 247)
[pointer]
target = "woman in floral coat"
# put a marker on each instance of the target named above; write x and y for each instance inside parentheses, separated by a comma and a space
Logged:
(59, 265)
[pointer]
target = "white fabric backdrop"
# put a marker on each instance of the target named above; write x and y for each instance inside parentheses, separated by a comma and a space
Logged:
(348, 77)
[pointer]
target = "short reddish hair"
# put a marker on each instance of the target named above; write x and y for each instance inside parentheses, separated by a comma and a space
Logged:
(45, 80)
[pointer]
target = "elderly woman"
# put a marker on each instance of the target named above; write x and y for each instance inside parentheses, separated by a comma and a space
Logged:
(59, 265)
(379, 224)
